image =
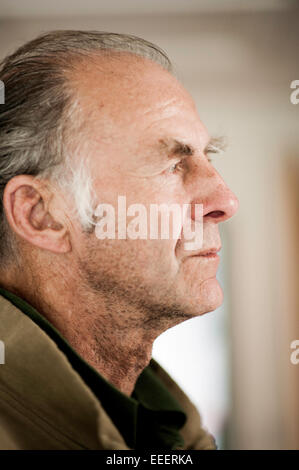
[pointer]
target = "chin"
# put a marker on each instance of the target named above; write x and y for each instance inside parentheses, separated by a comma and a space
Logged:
(208, 297)
(212, 295)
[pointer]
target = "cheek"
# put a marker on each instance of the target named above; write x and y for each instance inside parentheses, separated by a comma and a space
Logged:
(146, 259)
(156, 259)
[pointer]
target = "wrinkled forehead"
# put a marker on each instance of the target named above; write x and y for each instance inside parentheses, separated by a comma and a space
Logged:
(126, 91)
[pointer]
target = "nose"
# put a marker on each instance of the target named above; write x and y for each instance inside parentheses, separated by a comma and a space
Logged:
(219, 202)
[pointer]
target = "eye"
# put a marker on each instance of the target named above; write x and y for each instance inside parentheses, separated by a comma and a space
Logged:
(178, 166)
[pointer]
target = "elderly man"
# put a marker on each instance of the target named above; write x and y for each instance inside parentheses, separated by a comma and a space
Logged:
(89, 117)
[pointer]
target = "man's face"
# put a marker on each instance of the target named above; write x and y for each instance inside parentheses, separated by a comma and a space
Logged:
(136, 115)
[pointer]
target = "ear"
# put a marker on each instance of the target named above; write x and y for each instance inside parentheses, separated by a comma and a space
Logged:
(26, 203)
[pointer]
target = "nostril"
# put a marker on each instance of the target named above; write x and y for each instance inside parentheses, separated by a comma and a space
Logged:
(215, 214)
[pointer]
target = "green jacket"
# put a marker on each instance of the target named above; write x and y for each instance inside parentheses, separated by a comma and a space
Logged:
(45, 404)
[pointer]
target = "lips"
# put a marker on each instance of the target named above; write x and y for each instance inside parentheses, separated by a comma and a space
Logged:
(208, 253)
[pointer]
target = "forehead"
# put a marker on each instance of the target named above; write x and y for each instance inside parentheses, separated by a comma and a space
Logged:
(132, 97)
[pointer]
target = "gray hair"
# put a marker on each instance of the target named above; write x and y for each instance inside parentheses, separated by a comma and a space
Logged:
(37, 120)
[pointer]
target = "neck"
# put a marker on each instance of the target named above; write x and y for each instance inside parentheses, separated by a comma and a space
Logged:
(106, 332)
(100, 331)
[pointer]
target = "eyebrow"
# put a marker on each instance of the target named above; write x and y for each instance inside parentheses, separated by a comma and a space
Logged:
(176, 148)
(216, 145)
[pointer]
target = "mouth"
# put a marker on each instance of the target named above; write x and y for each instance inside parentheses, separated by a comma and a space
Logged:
(211, 253)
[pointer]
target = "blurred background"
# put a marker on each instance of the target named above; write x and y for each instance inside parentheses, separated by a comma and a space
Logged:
(238, 59)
